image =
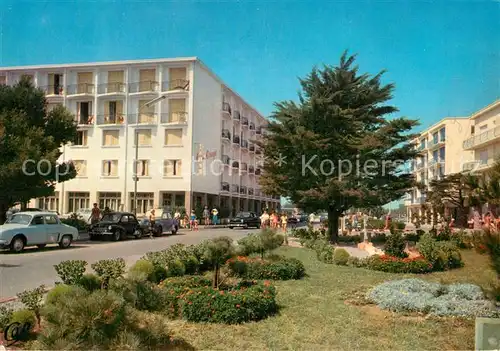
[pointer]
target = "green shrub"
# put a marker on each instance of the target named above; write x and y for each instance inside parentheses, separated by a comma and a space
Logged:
(90, 282)
(350, 239)
(380, 238)
(174, 287)
(55, 294)
(390, 264)
(217, 252)
(260, 243)
(141, 294)
(340, 256)
(5, 317)
(176, 268)
(442, 255)
(71, 271)
(32, 299)
(143, 267)
(400, 225)
(257, 268)
(24, 316)
(356, 262)
(376, 223)
(236, 306)
(395, 244)
(413, 237)
(75, 221)
(109, 269)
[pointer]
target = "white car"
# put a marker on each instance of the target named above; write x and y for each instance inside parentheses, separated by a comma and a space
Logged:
(35, 228)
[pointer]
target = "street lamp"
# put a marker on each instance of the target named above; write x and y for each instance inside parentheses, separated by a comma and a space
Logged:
(136, 178)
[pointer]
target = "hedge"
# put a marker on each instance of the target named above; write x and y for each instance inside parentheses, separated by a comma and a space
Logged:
(278, 268)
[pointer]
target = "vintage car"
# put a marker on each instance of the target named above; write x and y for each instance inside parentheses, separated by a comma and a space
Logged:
(35, 228)
(244, 220)
(166, 223)
(116, 226)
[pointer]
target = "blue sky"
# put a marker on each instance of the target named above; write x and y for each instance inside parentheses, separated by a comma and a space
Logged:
(444, 56)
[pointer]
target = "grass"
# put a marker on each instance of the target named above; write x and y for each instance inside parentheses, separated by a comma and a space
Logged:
(315, 315)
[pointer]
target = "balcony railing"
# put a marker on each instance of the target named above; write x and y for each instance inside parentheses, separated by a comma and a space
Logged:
(435, 161)
(235, 188)
(174, 117)
(110, 88)
(243, 190)
(421, 147)
(435, 142)
(481, 138)
(144, 86)
(477, 165)
(237, 115)
(176, 84)
(82, 88)
(142, 118)
(258, 171)
(53, 89)
(251, 148)
(226, 107)
(226, 134)
(236, 140)
(244, 121)
(224, 186)
(251, 126)
(111, 119)
(244, 144)
(84, 120)
(243, 166)
(250, 191)
(251, 169)
(236, 164)
(226, 160)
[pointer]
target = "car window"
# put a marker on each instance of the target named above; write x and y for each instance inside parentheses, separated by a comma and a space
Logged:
(166, 215)
(243, 215)
(38, 220)
(124, 219)
(111, 218)
(131, 218)
(50, 220)
(20, 219)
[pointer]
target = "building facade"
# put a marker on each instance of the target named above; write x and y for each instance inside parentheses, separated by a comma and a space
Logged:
(194, 136)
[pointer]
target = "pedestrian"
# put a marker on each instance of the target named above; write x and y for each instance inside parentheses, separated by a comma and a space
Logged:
(215, 216)
(284, 222)
(192, 220)
(206, 216)
(95, 215)
(152, 218)
(264, 219)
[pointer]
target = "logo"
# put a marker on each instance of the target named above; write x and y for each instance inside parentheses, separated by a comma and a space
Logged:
(17, 332)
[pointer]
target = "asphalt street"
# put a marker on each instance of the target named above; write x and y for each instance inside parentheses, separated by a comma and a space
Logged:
(34, 267)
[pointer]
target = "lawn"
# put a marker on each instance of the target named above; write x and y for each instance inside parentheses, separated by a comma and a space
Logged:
(315, 314)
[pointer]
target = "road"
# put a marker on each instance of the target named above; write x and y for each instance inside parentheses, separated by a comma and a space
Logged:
(34, 267)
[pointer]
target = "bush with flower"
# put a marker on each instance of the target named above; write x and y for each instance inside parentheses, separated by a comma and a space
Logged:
(391, 264)
(274, 268)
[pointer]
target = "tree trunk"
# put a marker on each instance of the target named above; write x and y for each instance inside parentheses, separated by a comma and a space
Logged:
(333, 226)
(215, 282)
(3, 213)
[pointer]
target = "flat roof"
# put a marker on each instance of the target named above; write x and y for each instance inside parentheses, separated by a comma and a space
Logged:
(439, 124)
(486, 109)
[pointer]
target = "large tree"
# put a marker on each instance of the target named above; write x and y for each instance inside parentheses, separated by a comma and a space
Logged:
(336, 148)
(30, 141)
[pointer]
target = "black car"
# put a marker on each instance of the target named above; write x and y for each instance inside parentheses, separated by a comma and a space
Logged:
(244, 220)
(117, 226)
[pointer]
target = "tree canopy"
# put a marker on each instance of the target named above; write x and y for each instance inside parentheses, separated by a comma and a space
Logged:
(30, 141)
(336, 148)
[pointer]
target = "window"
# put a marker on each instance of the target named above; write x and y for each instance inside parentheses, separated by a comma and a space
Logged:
(145, 202)
(38, 220)
(472, 130)
(81, 138)
(55, 84)
(110, 168)
(110, 137)
(144, 136)
(142, 168)
(81, 168)
(441, 154)
(435, 155)
(51, 220)
(483, 128)
(84, 112)
(111, 200)
(483, 156)
(442, 134)
(78, 201)
(173, 137)
(124, 219)
(113, 111)
(435, 138)
(172, 168)
(49, 203)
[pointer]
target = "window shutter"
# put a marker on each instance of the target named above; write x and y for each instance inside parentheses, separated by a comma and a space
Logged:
(178, 166)
(145, 166)
(114, 168)
(105, 168)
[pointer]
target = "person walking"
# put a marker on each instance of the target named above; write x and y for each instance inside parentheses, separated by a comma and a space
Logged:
(284, 222)
(206, 216)
(95, 215)
(264, 219)
(152, 218)
(215, 216)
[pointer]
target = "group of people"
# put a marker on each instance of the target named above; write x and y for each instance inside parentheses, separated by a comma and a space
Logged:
(274, 220)
(486, 221)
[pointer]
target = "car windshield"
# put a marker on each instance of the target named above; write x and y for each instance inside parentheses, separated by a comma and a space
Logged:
(243, 215)
(20, 219)
(112, 217)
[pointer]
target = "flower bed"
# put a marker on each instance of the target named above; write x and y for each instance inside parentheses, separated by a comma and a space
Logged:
(392, 264)
(277, 268)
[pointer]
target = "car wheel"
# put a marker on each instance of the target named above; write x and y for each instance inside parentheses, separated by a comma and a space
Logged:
(158, 231)
(17, 244)
(174, 229)
(138, 233)
(65, 241)
(117, 235)
(41, 246)
(230, 227)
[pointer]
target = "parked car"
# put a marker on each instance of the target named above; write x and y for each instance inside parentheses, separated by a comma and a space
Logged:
(244, 220)
(145, 225)
(166, 223)
(35, 228)
(117, 226)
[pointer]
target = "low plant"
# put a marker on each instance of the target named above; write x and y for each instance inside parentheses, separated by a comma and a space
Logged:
(139, 292)
(76, 221)
(5, 317)
(57, 292)
(391, 264)
(33, 299)
(90, 282)
(416, 295)
(109, 269)
(71, 271)
(350, 239)
(279, 268)
(176, 268)
(340, 256)
(260, 243)
(442, 255)
(217, 252)
(395, 244)
(24, 316)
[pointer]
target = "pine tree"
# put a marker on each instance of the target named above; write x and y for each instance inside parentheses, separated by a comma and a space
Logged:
(340, 120)
(29, 132)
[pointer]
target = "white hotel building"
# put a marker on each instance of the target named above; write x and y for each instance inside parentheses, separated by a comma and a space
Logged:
(195, 145)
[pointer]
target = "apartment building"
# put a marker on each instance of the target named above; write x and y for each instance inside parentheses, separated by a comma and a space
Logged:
(194, 143)
(440, 153)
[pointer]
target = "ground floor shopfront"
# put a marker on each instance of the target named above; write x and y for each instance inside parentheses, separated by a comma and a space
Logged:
(228, 205)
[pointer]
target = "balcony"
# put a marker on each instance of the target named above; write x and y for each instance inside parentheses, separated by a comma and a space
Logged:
(243, 167)
(258, 171)
(236, 164)
(226, 160)
(224, 187)
(81, 89)
(147, 86)
(258, 130)
(243, 190)
(236, 140)
(84, 121)
(235, 188)
(251, 126)
(236, 115)
(226, 135)
(53, 90)
(421, 148)
(244, 121)
(250, 191)
(477, 165)
(142, 118)
(174, 117)
(433, 144)
(112, 88)
(176, 84)
(251, 148)
(110, 119)
(436, 161)
(226, 108)
(251, 169)
(244, 144)
(482, 139)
